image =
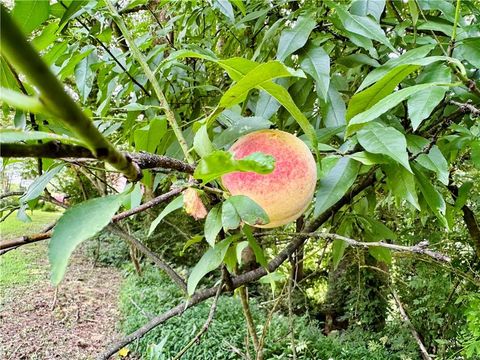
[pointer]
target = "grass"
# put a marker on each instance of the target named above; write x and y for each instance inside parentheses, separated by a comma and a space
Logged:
(21, 266)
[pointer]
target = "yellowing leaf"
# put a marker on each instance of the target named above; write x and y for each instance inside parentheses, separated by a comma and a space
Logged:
(193, 204)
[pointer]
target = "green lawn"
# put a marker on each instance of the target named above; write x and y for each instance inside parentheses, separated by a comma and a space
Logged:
(20, 266)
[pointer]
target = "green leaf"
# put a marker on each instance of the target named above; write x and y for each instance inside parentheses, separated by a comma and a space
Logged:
(230, 258)
(402, 183)
(316, 63)
(381, 254)
(30, 14)
(241, 208)
(293, 39)
(367, 158)
(36, 188)
(7, 80)
(335, 184)
(257, 249)
(469, 49)
(46, 38)
(376, 230)
(239, 249)
(254, 78)
(405, 59)
(366, 99)
(266, 105)
(384, 105)
(225, 8)
(238, 67)
(175, 204)
(464, 193)
(201, 142)
(334, 111)
(238, 126)
(84, 76)
(190, 242)
(21, 101)
(211, 260)
(432, 196)
(230, 217)
(213, 224)
(338, 249)
(136, 107)
(368, 7)
(220, 162)
(69, 69)
(436, 162)
(79, 223)
(284, 98)
(385, 140)
(8, 136)
(422, 104)
(73, 10)
(475, 153)
(364, 26)
(148, 138)
(57, 50)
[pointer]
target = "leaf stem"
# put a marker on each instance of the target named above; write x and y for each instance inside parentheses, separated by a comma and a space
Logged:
(454, 31)
(16, 49)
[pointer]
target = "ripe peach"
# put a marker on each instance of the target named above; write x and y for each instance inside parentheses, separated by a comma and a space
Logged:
(286, 192)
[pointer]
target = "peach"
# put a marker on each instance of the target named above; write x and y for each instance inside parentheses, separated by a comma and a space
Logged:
(286, 192)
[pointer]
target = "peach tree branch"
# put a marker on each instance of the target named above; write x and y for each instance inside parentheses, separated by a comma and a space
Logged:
(46, 234)
(57, 150)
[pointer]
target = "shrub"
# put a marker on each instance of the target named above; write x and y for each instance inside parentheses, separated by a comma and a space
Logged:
(143, 297)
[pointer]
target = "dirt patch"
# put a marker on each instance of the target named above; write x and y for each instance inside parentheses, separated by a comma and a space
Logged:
(76, 322)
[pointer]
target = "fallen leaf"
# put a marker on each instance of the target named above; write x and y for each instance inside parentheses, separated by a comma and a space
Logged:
(123, 352)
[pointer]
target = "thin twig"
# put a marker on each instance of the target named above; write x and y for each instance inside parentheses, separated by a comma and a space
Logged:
(466, 108)
(249, 320)
(140, 58)
(150, 254)
(205, 326)
(414, 332)
(46, 234)
(420, 248)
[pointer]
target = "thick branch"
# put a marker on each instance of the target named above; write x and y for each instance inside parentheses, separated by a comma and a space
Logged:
(23, 240)
(11, 193)
(20, 53)
(57, 150)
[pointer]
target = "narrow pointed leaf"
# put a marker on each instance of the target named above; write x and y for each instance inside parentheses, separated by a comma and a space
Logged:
(385, 141)
(335, 184)
(211, 260)
(77, 224)
(175, 204)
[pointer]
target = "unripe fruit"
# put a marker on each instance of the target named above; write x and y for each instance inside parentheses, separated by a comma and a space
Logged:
(286, 192)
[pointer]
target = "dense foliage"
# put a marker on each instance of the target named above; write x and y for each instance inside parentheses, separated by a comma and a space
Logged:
(386, 94)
